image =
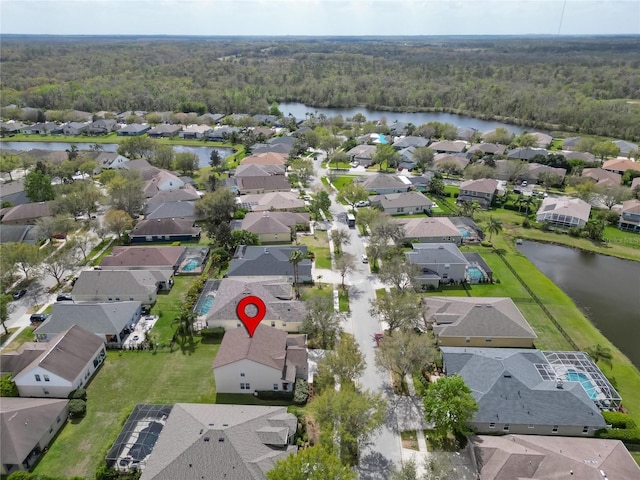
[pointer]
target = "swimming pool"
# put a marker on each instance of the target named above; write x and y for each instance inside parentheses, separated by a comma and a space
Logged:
(206, 305)
(464, 232)
(475, 273)
(191, 265)
(382, 139)
(573, 376)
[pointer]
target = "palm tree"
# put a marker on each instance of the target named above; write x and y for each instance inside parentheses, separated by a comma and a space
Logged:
(601, 353)
(468, 208)
(185, 323)
(493, 226)
(295, 258)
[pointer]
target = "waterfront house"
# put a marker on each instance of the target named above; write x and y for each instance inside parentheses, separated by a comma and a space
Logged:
(439, 263)
(430, 230)
(630, 216)
(564, 212)
(482, 191)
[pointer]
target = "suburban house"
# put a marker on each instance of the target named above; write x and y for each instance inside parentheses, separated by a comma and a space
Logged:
(382, 183)
(133, 130)
(42, 128)
(111, 322)
(185, 194)
(402, 203)
(142, 166)
(477, 322)
(405, 142)
(27, 426)
(261, 202)
(272, 183)
(131, 115)
(162, 181)
(430, 230)
(10, 128)
(269, 261)
(271, 360)
(13, 192)
(441, 160)
(543, 140)
(231, 442)
(602, 177)
(195, 131)
(144, 258)
(19, 234)
(258, 170)
(530, 392)
(626, 148)
(283, 312)
(447, 146)
(466, 133)
(538, 457)
(620, 166)
(182, 210)
(488, 148)
(164, 230)
(164, 131)
(440, 263)
(267, 158)
(222, 133)
(363, 154)
(75, 128)
(571, 143)
(25, 214)
(121, 285)
(572, 155)
(482, 191)
(106, 160)
(210, 118)
(535, 170)
(630, 216)
(635, 183)
(56, 368)
(102, 127)
(264, 120)
(564, 212)
(526, 153)
(272, 227)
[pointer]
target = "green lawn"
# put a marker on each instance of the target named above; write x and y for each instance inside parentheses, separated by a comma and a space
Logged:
(5, 336)
(128, 378)
(318, 243)
(168, 307)
(343, 299)
(25, 335)
(342, 180)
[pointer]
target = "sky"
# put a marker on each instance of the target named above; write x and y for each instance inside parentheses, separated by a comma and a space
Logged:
(320, 17)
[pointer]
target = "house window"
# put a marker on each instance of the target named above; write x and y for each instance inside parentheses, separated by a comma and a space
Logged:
(492, 425)
(46, 392)
(238, 324)
(131, 298)
(242, 374)
(37, 378)
(488, 339)
(585, 429)
(275, 386)
(247, 386)
(400, 209)
(46, 378)
(445, 275)
(110, 299)
(241, 386)
(468, 339)
(50, 429)
(531, 425)
(447, 266)
(555, 429)
(284, 324)
(273, 323)
(506, 427)
(117, 299)
(58, 419)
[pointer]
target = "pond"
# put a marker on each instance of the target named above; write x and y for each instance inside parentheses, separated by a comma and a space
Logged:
(606, 289)
(300, 110)
(203, 153)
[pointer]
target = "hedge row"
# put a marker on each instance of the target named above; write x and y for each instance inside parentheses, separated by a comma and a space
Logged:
(619, 420)
(626, 436)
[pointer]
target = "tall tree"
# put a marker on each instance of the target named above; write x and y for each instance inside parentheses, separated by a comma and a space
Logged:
(601, 353)
(350, 416)
(60, 262)
(186, 162)
(612, 195)
(50, 226)
(118, 222)
(423, 156)
(322, 324)
(436, 185)
(605, 150)
(346, 362)
(126, 191)
(302, 168)
(313, 463)
(399, 273)
(38, 187)
(184, 322)
(243, 237)
(386, 155)
(345, 264)
(493, 226)
(137, 147)
(367, 217)
(468, 208)
(4, 311)
(26, 257)
(163, 156)
(448, 403)
(405, 352)
(340, 237)
(396, 311)
(295, 257)
(352, 193)
(8, 163)
(217, 209)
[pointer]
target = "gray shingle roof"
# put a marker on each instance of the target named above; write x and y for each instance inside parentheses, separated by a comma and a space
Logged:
(435, 253)
(165, 226)
(220, 441)
(23, 423)
(115, 282)
(477, 317)
(411, 142)
(165, 256)
(402, 199)
(509, 389)
(97, 318)
(272, 222)
(382, 180)
(183, 210)
(273, 182)
(268, 260)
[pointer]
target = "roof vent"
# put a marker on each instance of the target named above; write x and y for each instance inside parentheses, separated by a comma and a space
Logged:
(507, 375)
(559, 382)
(221, 439)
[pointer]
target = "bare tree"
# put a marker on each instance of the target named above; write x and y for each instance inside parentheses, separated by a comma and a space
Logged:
(404, 352)
(396, 311)
(345, 264)
(340, 237)
(60, 262)
(400, 273)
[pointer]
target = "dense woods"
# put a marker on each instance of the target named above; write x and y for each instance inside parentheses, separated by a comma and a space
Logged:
(586, 85)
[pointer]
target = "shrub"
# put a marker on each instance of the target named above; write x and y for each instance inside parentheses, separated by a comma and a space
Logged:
(545, 227)
(575, 232)
(106, 473)
(8, 387)
(526, 223)
(175, 244)
(78, 394)
(619, 420)
(300, 391)
(273, 395)
(626, 436)
(77, 408)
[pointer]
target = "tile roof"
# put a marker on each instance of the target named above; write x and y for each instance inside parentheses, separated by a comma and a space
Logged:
(508, 388)
(97, 318)
(482, 185)
(402, 199)
(429, 227)
(273, 222)
(621, 165)
(167, 256)
(477, 317)
(267, 260)
(23, 423)
(237, 442)
(599, 174)
(539, 457)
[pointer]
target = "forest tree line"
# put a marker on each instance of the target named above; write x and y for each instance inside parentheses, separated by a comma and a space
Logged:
(588, 86)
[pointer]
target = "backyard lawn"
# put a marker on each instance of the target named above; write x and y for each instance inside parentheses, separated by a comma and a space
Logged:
(318, 243)
(128, 378)
(168, 307)
(24, 336)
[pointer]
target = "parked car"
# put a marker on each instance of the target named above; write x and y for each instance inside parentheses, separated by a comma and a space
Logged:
(378, 338)
(354, 164)
(18, 294)
(38, 317)
(64, 298)
(365, 259)
(363, 203)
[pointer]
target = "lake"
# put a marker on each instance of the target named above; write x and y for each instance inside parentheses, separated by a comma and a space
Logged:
(606, 289)
(299, 110)
(203, 153)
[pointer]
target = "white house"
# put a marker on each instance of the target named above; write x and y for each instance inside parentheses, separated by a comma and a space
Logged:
(56, 368)
(439, 263)
(564, 212)
(402, 203)
(270, 360)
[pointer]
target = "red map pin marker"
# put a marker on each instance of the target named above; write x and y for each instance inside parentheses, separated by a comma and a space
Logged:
(251, 323)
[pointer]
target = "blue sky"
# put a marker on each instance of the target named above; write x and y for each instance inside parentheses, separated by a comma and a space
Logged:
(320, 17)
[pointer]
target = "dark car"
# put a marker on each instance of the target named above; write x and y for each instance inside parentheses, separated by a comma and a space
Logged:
(64, 298)
(38, 317)
(18, 294)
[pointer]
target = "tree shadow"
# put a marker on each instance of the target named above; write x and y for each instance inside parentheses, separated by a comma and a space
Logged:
(354, 292)
(188, 346)
(374, 466)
